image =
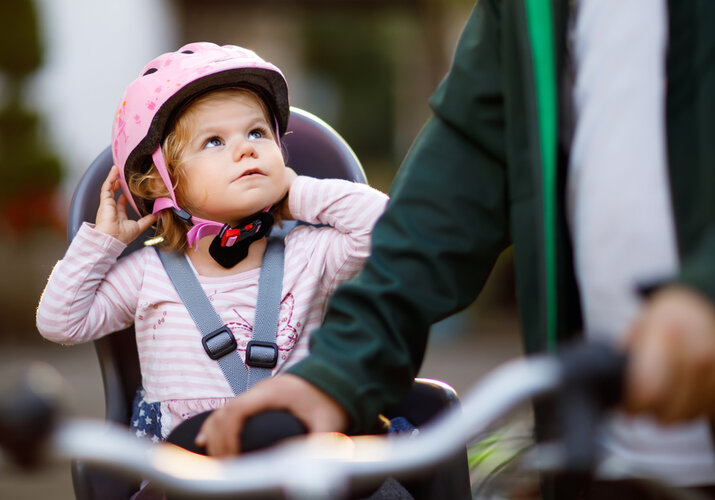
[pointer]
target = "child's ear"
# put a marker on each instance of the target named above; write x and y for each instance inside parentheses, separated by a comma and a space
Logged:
(156, 185)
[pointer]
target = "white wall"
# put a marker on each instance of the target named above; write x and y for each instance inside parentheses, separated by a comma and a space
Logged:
(93, 49)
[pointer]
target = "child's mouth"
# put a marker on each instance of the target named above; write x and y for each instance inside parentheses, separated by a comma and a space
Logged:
(249, 173)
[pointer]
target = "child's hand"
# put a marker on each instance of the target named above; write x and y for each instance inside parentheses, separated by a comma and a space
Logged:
(112, 215)
(283, 208)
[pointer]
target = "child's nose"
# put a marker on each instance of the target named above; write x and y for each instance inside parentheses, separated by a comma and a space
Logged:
(243, 148)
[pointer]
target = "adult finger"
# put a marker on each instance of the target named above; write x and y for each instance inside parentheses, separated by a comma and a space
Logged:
(220, 433)
(693, 374)
(647, 373)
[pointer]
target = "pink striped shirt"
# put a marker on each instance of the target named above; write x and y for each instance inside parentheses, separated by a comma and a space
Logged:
(91, 294)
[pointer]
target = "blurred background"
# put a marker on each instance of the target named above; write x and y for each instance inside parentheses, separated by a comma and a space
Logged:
(367, 67)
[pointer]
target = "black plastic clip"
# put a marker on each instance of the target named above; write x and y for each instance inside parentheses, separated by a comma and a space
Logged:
(184, 216)
(219, 343)
(261, 354)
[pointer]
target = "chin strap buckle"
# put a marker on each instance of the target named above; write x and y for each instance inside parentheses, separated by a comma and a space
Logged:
(229, 236)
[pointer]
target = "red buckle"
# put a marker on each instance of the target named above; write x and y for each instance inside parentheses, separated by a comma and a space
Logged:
(228, 235)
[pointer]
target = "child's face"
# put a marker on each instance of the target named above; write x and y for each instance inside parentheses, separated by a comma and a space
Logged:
(232, 164)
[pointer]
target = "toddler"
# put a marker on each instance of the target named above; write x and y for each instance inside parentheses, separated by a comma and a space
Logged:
(196, 146)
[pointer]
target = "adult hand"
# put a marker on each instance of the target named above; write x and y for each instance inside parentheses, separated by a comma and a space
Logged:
(318, 412)
(112, 215)
(671, 372)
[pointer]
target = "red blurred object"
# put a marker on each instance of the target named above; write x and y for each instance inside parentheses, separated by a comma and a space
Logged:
(33, 207)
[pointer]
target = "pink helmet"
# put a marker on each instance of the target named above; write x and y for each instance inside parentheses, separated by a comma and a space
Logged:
(165, 86)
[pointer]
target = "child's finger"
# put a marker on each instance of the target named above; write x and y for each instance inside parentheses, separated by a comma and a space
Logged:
(108, 181)
(113, 174)
(122, 208)
(146, 222)
(111, 184)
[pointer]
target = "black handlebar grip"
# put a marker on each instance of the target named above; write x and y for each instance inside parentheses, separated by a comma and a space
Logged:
(259, 431)
(269, 427)
(28, 412)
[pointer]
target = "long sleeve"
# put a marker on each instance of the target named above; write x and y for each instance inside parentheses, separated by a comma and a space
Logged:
(445, 225)
(86, 296)
(344, 214)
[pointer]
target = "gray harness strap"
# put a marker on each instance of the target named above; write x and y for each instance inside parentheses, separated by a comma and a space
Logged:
(217, 339)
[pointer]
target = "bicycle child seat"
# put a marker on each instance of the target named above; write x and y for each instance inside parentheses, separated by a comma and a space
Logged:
(314, 149)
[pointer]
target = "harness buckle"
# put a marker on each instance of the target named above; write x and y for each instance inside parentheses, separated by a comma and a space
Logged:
(261, 354)
(219, 343)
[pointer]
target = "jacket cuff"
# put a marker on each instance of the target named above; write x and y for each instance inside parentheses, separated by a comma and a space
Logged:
(698, 269)
(363, 418)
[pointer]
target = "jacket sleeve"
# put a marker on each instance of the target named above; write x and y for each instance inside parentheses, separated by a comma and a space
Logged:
(691, 149)
(434, 247)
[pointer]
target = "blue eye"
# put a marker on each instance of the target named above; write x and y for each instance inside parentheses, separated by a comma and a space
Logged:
(213, 142)
(256, 134)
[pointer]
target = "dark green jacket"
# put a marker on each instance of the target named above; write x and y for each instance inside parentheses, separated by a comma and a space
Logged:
(487, 172)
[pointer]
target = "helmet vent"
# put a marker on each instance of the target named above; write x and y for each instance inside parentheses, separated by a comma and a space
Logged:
(187, 51)
(150, 71)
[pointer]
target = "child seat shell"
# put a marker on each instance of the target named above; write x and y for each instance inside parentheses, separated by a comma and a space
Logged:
(314, 149)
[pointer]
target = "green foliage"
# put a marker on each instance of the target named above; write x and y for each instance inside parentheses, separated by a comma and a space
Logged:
(493, 460)
(24, 160)
(20, 48)
(348, 48)
(29, 172)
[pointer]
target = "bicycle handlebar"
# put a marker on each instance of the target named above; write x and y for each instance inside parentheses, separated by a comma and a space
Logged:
(324, 466)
